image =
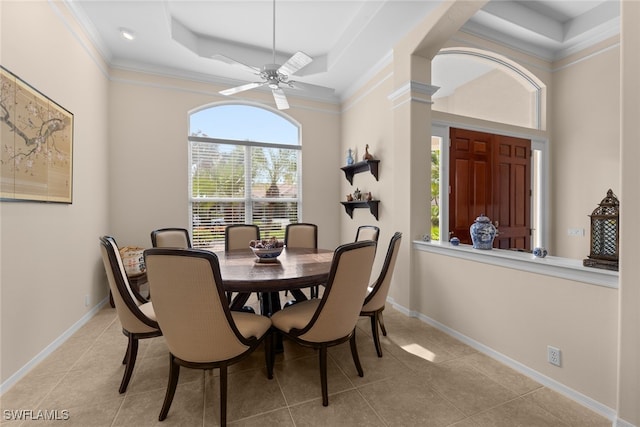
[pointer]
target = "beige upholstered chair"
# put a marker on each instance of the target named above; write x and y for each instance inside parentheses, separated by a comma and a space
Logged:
(170, 238)
(377, 297)
(134, 312)
(200, 330)
(331, 320)
(302, 235)
(238, 236)
(367, 232)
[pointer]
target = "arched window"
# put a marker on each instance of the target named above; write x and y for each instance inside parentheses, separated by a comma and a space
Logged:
(488, 86)
(245, 169)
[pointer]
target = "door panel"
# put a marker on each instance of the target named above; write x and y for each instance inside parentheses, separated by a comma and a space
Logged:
(512, 195)
(470, 178)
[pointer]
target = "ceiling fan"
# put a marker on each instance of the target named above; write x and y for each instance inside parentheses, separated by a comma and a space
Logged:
(275, 76)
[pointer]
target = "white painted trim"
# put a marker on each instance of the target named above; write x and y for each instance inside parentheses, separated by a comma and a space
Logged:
(564, 268)
(48, 350)
(552, 384)
(412, 86)
(102, 60)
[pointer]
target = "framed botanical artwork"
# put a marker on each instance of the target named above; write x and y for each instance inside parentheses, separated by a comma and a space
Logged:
(36, 138)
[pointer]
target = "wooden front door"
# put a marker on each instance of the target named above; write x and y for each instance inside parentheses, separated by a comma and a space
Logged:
(490, 174)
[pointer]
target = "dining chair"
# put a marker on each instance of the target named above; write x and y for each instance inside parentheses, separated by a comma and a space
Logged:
(302, 235)
(135, 313)
(367, 232)
(170, 238)
(331, 320)
(238, 236)
(377, 297)
(200, 329)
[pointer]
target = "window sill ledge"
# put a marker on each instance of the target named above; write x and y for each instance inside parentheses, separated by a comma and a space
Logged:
(564, 268)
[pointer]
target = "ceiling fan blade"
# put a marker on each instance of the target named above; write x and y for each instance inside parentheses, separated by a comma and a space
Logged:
(236, 64)
(320, 90)
(281, 99)
(242, 88)
(295, 63)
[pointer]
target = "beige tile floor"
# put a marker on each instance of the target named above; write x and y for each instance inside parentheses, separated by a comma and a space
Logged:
(425, 378)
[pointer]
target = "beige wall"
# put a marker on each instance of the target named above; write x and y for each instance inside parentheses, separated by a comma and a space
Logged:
(495, 96)
(148, 155)
(585, 142)
(518, 314)
(50, 254)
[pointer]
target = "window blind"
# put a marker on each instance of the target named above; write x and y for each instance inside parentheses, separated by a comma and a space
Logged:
(242, 183)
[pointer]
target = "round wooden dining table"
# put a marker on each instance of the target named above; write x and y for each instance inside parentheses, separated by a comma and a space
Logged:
(295, 268)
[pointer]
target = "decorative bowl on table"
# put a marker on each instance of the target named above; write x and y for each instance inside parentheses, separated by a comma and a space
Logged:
(266, 250)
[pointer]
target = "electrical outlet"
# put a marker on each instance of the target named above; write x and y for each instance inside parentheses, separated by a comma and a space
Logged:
(86, 300)
(553, 355)
(576, 232)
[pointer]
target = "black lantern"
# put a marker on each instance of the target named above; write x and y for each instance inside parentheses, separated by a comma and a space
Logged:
(605, 232)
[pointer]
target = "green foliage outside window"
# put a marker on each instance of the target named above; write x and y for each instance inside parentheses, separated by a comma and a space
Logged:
(435, 195)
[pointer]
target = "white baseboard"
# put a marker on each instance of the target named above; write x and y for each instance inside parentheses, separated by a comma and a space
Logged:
(13, 379)
(552, 384)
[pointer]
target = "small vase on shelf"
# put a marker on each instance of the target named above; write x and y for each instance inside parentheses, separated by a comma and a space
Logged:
(349, 157)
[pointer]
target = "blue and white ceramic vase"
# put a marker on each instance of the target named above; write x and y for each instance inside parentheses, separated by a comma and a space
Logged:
(349, 157)
(482, 233)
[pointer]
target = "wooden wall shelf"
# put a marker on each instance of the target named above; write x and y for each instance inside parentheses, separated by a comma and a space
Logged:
(363, 166)
(371, 204)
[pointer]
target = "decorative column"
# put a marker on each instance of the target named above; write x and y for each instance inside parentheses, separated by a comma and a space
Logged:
(411, 109)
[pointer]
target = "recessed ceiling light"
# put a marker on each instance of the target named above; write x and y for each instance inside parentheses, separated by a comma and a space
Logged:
(127, 34)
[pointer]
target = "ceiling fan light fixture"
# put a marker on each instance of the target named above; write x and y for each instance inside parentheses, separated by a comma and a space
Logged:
(274, 74)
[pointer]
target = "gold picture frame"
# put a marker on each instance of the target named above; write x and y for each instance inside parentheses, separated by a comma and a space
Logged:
(36, 138)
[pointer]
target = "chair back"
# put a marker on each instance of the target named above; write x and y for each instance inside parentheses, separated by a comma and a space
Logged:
(238, 236)
(124, 298)
(346, 288)
(301, 235)
(377, 298)
(367, 232)
(170, 238)
(191, 306)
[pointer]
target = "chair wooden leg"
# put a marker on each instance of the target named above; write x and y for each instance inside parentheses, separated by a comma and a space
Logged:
(132, 352)
(381, 322)
(375, 333)
(323, 375)
(223, 395)
(299, 295)
(354, 353)
(174, 373)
